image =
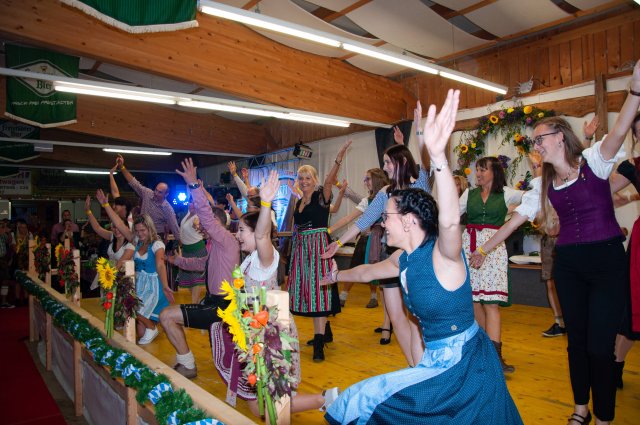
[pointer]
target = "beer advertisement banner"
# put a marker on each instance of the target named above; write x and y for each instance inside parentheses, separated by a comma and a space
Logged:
(34, 101)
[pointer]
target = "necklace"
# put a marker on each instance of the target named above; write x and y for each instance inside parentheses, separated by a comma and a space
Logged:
(569, 173)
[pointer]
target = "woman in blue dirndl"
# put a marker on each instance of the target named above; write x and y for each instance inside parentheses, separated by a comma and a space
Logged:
(458, 379)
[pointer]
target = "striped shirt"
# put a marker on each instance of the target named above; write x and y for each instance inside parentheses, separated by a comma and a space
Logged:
(376, 207)
(163, 216)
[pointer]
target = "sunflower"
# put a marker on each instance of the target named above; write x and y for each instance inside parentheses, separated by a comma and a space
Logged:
(58, 252)
(541, 115)
(521, 150)
(464, 149)
(106, 276)
(467, 171)
(510, 110)
(517, 137)
(473, 145)
(229, 317)
(493, 119)
(527, 109)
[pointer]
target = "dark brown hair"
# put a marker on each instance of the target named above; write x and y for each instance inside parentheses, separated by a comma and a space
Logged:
(404, 167)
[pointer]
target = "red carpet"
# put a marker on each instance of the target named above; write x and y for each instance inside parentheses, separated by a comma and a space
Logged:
(24, 397)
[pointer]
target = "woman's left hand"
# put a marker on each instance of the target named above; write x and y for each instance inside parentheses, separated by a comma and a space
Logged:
(269, 189)
(476, 259)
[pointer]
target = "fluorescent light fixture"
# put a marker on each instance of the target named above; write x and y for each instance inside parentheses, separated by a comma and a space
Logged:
(87, 172)
(43, 147)
(315, 120)
(137, 152)
(95, 90)
(266, 22)
(390, 57)
(468, 79)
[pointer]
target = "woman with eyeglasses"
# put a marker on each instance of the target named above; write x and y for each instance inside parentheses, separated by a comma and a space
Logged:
(457, 378)
(487, 206)
(368, 249)
(403, 174)
(590, 263)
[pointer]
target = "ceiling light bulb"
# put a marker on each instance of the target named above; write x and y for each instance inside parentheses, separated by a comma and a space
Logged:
(94, 90)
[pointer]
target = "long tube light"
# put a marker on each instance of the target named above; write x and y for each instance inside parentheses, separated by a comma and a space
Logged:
(93, 90)
(87, 172)
(266, 22)
(295, 30)
(137, 152)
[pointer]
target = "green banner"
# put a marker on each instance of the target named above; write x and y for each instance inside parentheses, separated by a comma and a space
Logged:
(13, 151)
(139, 16)
(35, 101)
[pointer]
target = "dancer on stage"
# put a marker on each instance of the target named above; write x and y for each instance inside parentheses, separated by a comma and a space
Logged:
(458, 379)
(590, 264)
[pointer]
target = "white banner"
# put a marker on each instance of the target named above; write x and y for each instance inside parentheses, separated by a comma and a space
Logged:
(16, 185)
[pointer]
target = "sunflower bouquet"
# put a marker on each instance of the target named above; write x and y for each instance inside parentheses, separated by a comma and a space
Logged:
(41, 258)
(67, 276)
(107, 278)
(262, 344)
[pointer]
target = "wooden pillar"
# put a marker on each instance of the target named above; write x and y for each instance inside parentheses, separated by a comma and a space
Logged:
(77, 377)
(601, 105)
(132, 406)
(76, 260)
(32, 259)
(130, 326)
(33, 330)
(48, 336)
(281, 299)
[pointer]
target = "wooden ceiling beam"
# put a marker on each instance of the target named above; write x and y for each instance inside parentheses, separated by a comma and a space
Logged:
(219, 54)
(163, 127)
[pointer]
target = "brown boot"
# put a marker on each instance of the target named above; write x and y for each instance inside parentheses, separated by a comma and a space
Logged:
(506, 368)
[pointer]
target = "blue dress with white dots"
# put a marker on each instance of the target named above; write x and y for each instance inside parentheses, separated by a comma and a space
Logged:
(459, 379)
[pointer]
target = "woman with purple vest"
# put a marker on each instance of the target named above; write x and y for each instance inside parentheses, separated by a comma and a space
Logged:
(590, 260)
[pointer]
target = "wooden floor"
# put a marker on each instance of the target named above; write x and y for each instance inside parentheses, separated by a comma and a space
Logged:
(540, 386)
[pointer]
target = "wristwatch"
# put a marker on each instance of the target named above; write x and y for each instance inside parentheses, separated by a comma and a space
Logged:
(194, 185)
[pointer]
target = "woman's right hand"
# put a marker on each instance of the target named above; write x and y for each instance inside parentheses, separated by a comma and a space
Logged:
(101, 197)
(87, 203)
(330, 251)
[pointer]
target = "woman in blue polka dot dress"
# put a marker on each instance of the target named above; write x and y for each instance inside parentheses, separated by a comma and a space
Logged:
(458, 379)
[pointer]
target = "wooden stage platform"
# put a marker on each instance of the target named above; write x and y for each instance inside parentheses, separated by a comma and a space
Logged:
(540, 386)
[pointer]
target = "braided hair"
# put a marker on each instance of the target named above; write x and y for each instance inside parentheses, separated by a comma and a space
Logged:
(422, 206)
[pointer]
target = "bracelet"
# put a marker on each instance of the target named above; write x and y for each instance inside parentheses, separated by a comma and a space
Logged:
(105, 205)
(481, 251)
(329, 230)
(265, 204)
(339, 243)
(633, 92)
(419, 133)
(122, 167)
(338, 163)
(193, 186)
(88, 212)
(441, 166)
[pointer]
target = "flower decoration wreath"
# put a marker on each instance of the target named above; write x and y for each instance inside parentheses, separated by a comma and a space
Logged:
(510, 123)
(68, 278)
(42, 258)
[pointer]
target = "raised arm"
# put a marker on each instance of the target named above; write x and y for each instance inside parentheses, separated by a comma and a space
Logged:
(365, 273)
(333, 174)
(115, 192)
(237, 180)
(234, 207)
(120, 164)
(113, 216)
(268, 192)
(612, 143)
(398, 137)
(100, 231)
(345, 220)
(437, 130)
(335, 207)
(425, 158)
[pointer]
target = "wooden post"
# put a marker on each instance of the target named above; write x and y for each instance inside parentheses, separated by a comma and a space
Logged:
(33, 330)
(48, 336)
(132, 406)
(32, 258)
(601, 105)
(130, 326)
(281, 299)
(47, 278)
(77, 377)
(76, 260)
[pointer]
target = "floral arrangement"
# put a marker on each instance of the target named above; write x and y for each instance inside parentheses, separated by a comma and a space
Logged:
(170, 407)
(525, 184)
(67, 275)
(261, 342)
(41, 258)
(119, 299)
(508, 122)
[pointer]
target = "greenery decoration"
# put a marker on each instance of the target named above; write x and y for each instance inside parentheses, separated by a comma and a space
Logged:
(42, 258)
(509, 123)
(116, 360)
(67, 275)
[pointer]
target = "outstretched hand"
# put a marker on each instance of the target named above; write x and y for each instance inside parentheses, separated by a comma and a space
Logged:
(232, 168)
(87, 203)
(330, 251)
(101, 197)
(119, 161)
(332, 277)
(438, 127)
(269, 189)
(343, 150)
(189, 171)
(590, 129)
(398, 137)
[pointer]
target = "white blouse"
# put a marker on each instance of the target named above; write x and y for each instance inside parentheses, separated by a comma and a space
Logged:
(511, 197)
(189, 235)
(257, 275)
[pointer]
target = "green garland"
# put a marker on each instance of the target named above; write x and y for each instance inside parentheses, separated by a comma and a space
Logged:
(117, 360)
(508, 122)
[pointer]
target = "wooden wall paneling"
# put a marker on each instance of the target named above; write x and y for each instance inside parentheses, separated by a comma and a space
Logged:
(627, 42)
(524, 69)
(613, 50)
(564, 52)
(219, 54)
(600, 53)
(555, 78)
(588, 62)
(576, 60)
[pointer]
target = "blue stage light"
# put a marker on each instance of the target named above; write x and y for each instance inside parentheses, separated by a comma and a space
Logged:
(182, 196)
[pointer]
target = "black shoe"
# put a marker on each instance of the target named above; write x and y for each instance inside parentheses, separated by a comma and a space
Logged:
(380, 329)
(618, 367)
(318, 348)
(554, 330)
(579, 419)
(328, 335)
(385, 341)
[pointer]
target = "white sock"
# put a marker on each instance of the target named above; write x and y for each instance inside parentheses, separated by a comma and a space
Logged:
(344, 295)
(374, 295)
(187, 360)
